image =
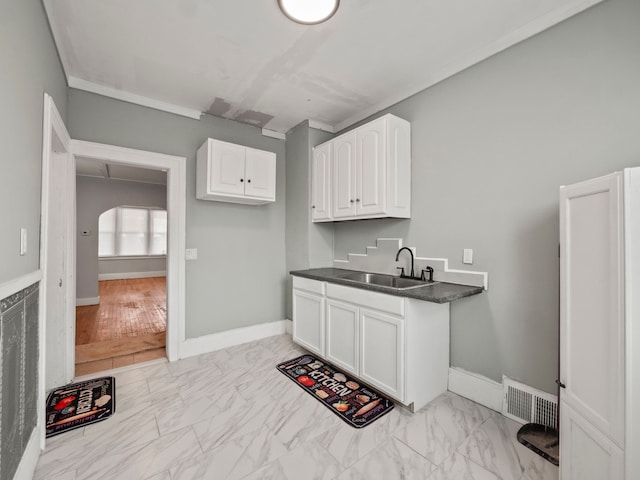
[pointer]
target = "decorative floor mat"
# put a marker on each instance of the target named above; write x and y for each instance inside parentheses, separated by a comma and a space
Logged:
(79, 404)
(355, 404)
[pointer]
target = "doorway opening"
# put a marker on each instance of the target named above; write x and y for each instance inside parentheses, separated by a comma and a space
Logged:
(150, 191)
(121, 217)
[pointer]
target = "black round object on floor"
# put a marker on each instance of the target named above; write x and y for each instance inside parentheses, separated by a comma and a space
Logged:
(543, 440)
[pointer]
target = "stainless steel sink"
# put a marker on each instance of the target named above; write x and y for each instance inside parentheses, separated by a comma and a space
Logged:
(388, 281)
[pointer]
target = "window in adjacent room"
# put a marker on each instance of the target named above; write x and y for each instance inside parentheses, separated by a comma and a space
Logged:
(132, 232)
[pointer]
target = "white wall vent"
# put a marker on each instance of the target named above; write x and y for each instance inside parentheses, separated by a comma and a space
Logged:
(525, 404)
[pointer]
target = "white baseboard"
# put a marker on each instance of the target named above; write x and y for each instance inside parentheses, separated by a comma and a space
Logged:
(475, 387)
(83, 302)
(127, 275)
(217, 341)
(289, 326)
(27, 466)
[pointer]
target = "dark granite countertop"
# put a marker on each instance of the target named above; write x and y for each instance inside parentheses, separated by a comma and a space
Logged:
(438, 292)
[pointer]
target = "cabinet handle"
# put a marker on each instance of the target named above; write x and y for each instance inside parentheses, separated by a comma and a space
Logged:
(249, 181)
(313, 206)
(241, 180)
(357, 199)
(351, 200)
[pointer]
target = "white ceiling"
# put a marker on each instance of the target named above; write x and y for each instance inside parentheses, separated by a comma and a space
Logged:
(244, 60)
(91, 167)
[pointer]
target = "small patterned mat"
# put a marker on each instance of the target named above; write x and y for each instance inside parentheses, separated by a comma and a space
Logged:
(354, 403)
(79, 404)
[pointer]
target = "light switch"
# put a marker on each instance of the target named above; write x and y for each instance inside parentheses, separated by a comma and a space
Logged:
(191, 254)
(23, 241)
(467, 256)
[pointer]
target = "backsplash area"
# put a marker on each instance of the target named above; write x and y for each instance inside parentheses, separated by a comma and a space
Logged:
(18, 375)
(381, 259)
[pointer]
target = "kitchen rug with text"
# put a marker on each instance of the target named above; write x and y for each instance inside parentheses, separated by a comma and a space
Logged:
(356, 404)
(79, 404)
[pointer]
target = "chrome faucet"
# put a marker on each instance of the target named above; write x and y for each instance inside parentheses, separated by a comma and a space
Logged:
(398, 256)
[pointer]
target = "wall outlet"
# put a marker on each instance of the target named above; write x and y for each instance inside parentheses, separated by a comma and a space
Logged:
(191, 254)
(467, 256)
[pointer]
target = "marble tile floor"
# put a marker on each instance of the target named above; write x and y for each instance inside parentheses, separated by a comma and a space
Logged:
(231, 415)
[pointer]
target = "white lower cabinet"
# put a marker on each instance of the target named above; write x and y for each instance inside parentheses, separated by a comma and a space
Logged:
(308, 308)
(342, 329)
(382, 351)
(399, 346)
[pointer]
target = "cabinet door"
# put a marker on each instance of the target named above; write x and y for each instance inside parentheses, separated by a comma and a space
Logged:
(370, 168)
(592, 343)
(226, 169)
(585, 453)
(344, 171)
(382, 352)
(308, 321)
(342, 335)
(260, 170)
(320, 182)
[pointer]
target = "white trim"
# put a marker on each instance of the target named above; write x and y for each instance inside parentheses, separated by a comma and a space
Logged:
(176, 210)
(31, 455)
(526, 31)
(126, 368)
(127, 275)
(273, 134)
(17, 284)
(632, 320)
(110, 92)
(321, 126)
(475, 387)
(288, 326)
(83, 302)
(53, 124)
(217, 341)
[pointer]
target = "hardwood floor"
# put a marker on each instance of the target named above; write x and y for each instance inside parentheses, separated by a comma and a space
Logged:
(128, 326)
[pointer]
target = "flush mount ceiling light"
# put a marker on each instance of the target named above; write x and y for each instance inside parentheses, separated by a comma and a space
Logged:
(309, 12)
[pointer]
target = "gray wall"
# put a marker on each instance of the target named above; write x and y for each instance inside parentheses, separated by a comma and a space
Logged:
(241, 248)
(93, 197)
(308, 245)
(30, 67)
(491, 146)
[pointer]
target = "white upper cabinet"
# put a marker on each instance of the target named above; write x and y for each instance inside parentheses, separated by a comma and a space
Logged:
(233, 173)
(344, 176)
(370, 172)
(320, 178)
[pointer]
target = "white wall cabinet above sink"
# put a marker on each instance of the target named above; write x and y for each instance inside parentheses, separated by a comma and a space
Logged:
(364, 173)
(227, 172)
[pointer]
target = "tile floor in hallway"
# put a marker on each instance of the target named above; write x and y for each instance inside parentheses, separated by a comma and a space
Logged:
(231, 415)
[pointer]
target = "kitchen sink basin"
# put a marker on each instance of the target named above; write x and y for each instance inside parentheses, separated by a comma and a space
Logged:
(388, 281)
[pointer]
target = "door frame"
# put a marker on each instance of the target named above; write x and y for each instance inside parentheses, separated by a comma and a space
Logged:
(53, 126)
(176, 214)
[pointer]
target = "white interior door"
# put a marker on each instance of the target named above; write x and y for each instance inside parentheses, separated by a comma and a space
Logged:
(58, 290)
(592, 347)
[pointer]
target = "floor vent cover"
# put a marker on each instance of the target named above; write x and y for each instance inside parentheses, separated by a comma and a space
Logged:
(525, 404)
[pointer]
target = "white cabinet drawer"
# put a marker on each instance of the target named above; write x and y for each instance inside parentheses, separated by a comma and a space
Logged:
(374, 300)
(309, 285)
